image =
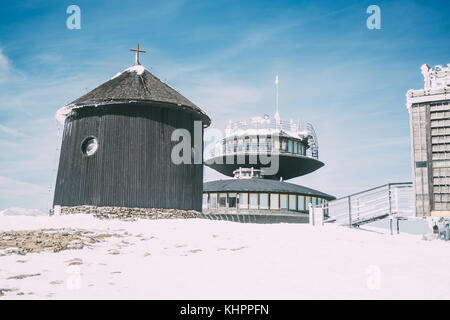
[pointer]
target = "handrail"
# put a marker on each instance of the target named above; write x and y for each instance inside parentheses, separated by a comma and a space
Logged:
(374, 188)
(391, 199)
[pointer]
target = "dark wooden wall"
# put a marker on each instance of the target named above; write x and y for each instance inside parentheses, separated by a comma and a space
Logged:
(132, 166)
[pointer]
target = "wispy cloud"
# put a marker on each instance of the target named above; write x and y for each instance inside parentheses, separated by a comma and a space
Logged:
(11, 132)
(4, 66)
(4, 62)
(18, 193)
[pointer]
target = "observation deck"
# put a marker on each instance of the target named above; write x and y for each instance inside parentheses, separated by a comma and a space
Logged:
(279, 149)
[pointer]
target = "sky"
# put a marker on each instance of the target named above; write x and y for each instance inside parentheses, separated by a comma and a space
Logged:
(347, 80)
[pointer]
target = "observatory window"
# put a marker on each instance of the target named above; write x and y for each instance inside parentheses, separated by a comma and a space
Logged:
(314, 201)
(295, 147)
(269, 144)
(276, 144)
(229, 146)
(213, 201)
(283, 145)
(262, 144)
(232, 200)
(254, 144)
(301, 203)
(274, 201)
(283, 201)
(222, 200)
(253, 201)
(240, 145)
(290, 148)
(243, 201)
(89, 146)
(247, 144)
(292, 202)
(263, 201)
(205, 201)
(307, 202)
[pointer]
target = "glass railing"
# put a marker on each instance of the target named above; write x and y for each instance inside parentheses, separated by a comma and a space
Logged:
(254, 148)
(294, 127)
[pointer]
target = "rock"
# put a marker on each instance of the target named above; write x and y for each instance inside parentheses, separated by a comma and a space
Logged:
(49, 240)
(131, 214)
(23, 276)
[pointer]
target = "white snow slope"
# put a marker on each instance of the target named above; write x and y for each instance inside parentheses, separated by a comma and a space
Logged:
(15, 211)
(202, 259)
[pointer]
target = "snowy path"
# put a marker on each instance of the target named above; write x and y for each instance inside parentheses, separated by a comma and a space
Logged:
(203, 259)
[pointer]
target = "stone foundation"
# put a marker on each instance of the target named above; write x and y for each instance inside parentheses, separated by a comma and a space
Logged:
(127, 213)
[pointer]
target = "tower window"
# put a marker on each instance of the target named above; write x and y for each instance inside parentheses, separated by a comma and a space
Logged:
(292, 202)
(222, 200)
(274, 201)
(232, 200)
(421, 164)
(253, 201)
(243, 201)
(264, 201)
(283, 201)
(89, 146)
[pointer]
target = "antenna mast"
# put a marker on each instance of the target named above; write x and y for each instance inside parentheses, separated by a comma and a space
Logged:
(277, 115)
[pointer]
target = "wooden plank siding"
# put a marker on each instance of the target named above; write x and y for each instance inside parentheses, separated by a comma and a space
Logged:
(132, 166)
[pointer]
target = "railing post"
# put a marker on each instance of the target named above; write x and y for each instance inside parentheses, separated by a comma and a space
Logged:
(349, 212)
(398, 227)
(390, 204)
(311, 214)
(390, 208)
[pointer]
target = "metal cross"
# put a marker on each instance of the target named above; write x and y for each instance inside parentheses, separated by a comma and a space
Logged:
(137, 54)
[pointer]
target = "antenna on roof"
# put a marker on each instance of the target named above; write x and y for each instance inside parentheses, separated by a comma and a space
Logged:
(277, 115)
(137, 54)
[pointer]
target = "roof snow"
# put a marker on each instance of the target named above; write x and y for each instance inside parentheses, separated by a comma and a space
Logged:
(133, 85)
(139, 69)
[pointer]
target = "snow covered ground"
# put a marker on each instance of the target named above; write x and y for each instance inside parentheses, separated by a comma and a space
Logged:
(203, 259)
(16, 211)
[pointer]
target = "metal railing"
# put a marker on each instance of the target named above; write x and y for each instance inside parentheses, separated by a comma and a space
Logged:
(266, 124)
(268, 127)
(254, 148)
(395, 200)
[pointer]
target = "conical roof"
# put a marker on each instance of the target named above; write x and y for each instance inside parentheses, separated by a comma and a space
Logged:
(134, 85)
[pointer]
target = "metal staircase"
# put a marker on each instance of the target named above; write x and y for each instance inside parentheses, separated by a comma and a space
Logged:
(394, 200)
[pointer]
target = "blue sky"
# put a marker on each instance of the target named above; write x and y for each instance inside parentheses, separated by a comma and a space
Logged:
(348, 81)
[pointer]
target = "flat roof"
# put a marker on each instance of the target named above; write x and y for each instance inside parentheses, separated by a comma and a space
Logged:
(261, 185)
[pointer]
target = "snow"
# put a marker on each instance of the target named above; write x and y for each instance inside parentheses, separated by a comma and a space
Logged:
(139, 69)
(203, 259)
(15, 211)
(62, 113)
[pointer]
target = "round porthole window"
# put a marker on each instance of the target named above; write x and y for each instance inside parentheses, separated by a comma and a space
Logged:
(89, 146)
